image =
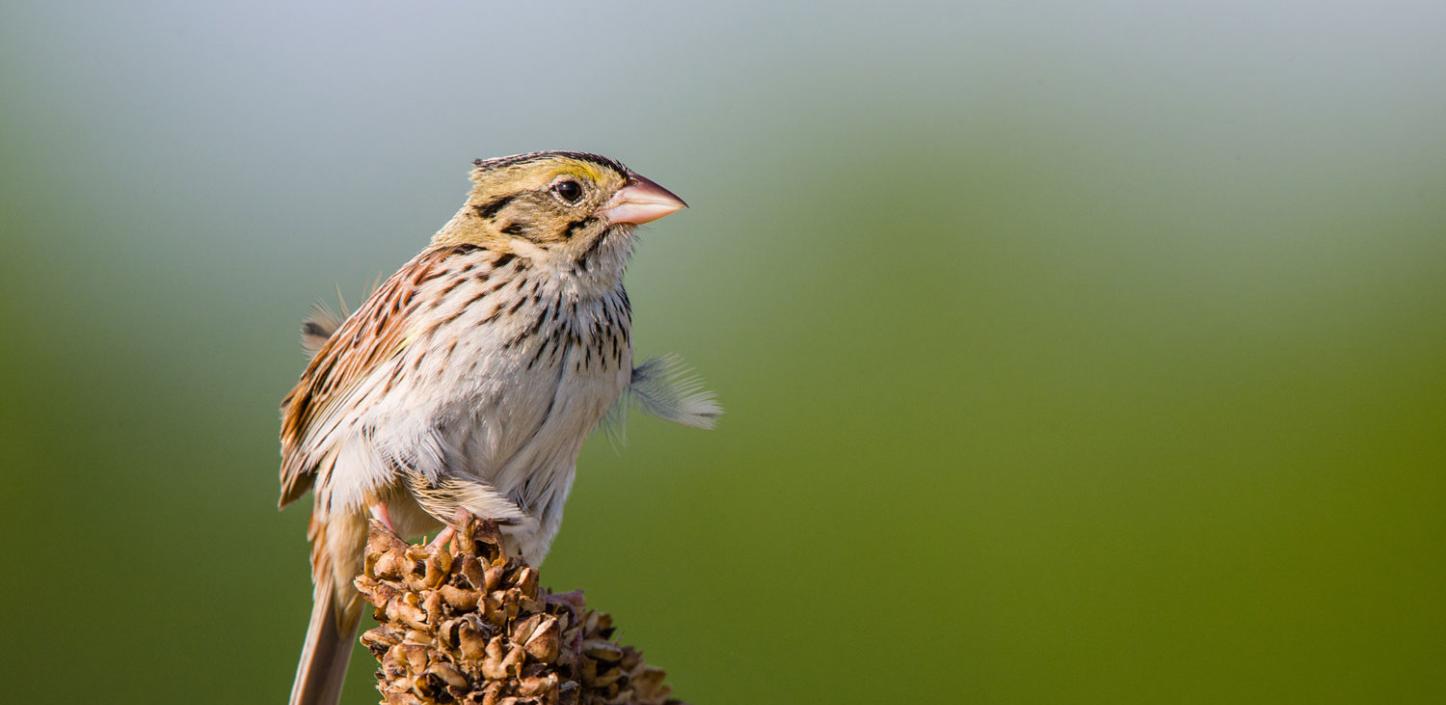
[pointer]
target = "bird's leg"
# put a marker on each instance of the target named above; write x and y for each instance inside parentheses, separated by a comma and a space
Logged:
(380, 514)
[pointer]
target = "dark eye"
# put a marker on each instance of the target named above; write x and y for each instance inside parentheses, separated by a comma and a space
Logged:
(570, 191)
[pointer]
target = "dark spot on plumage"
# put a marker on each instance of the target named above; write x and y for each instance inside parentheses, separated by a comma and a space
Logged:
(475, 298)
(551, 402)
(542, 349)
(455, 315)
(502, 261)
(582, 259)
(573, 227)
(537, 325)
(514, 228)
(516, 306)
(489, 209)
(459, 281)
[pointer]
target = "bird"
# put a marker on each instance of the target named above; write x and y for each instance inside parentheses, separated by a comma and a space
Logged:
(468, 380)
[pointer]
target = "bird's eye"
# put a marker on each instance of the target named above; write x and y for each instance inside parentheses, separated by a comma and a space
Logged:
(570, 191)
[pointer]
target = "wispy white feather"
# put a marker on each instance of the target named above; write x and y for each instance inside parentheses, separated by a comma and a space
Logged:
(667, 388)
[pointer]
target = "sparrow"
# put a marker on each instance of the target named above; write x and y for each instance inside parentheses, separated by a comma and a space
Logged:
(468, 380)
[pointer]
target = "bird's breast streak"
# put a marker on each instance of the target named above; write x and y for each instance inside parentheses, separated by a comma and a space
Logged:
(528, 385)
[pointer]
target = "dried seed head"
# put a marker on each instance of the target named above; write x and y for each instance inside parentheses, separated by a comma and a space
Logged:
(546, 640)
(458, 598)
(448, 674)
(464, 623)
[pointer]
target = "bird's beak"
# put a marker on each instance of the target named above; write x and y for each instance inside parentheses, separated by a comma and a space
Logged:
(640, 201)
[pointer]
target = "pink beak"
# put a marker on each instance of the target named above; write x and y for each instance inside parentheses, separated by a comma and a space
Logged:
(640, 201)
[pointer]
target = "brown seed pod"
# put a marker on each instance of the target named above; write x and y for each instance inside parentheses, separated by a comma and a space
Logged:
(464, 624)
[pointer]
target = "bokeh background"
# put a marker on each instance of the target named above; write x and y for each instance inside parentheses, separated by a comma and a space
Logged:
(1072, 352)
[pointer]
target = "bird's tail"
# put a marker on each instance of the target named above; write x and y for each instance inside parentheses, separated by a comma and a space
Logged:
(335, 613)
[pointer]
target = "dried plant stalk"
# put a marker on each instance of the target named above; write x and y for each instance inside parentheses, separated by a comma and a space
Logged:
(464, 623)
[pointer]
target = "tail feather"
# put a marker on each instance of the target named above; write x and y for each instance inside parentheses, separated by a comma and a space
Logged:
(336, 556)
(322, 670)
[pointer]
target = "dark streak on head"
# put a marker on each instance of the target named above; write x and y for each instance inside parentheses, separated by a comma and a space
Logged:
(575, 225)
(591, 248)
(489, 209)
(514, 228)
(502, 162)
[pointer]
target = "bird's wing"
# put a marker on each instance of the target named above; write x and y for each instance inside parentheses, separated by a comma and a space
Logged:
(372, 335)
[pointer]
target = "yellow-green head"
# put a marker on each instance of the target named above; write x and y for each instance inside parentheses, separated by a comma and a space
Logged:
(555, 201)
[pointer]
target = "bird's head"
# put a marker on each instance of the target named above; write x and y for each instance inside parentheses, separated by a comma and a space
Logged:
(557, 206)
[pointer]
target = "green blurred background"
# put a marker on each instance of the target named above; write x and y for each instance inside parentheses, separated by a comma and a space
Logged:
(1072, 352)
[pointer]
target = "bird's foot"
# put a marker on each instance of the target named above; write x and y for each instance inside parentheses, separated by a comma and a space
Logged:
(438, 543)
(460, 519)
